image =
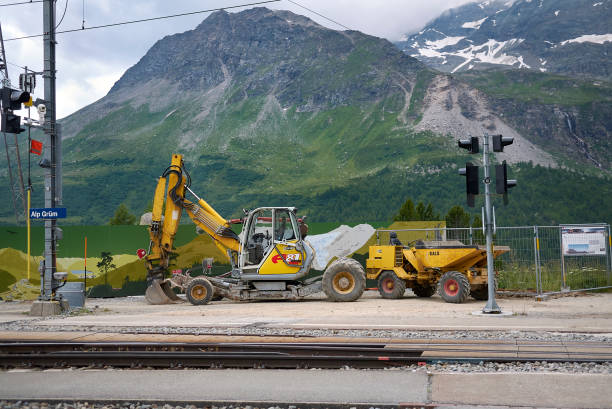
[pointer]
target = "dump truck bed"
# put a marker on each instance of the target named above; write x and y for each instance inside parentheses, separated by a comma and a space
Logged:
(452, 255)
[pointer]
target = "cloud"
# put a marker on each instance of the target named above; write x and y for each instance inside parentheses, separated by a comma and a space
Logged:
(90, 62)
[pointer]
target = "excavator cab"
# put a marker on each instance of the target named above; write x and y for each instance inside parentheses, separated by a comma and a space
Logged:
(272, 247)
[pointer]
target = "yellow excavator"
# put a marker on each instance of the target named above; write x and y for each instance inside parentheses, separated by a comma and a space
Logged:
(269, 259)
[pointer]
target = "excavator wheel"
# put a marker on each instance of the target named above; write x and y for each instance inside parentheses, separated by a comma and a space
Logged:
(344, 280)
(454, 287)
(390, 285)
(424, 290)
(199, 291)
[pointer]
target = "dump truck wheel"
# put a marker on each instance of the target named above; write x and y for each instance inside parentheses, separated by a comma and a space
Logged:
(199, 291)
(344, 280)
(424, 291)
(390, 285)
(454, 287)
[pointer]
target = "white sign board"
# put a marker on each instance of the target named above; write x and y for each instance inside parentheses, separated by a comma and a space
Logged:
(584, 240)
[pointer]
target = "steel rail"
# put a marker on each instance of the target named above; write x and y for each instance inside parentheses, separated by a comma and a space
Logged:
(280, 355)
(210, 355)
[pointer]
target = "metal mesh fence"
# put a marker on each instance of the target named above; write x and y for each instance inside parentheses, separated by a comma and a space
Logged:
(536, 262)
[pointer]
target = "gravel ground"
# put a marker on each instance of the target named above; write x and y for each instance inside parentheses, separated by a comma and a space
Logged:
(130, 405)
(138, 405)
(511, 335)
(136, 304)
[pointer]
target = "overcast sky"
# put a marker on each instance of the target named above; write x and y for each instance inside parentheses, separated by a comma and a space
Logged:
(90, 62)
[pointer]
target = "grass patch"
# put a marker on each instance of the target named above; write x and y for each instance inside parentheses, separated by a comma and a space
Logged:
(539, 87)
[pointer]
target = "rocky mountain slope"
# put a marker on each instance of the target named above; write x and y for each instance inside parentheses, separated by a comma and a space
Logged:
(571, 37)
(270, 108)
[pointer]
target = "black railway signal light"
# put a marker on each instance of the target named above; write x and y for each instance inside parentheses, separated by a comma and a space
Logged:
(500, 141)
(470, 144)
(10, 123)
(502, 183)
(11, 100)
(472, 182)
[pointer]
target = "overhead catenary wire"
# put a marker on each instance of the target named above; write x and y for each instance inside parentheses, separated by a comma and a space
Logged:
(318, 14)
(22, 2)
(146, 19)
(63, 15)
(23, 68)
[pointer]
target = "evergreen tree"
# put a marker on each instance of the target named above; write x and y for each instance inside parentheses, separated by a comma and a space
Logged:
(420, 211)
(122, 216)
(406, 212)
(429, 213)
(457, 217)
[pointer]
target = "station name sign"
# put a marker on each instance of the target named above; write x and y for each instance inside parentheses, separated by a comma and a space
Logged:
(48, 213)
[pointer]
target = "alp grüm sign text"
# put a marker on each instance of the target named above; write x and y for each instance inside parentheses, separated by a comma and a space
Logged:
(48, 213)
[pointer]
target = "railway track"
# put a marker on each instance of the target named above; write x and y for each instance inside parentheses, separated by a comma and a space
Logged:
(45, 354)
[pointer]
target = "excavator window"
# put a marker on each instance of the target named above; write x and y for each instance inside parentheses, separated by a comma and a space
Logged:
(259, 239)
(284, 226)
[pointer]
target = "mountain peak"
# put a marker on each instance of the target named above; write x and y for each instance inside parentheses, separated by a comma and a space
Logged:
(257, 15)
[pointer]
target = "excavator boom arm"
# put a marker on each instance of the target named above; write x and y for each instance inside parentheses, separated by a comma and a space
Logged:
(163, 229)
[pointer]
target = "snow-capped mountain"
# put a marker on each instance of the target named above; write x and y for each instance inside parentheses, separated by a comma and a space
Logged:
(558, 36)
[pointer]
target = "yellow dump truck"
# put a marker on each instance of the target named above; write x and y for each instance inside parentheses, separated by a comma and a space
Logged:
(457, 270)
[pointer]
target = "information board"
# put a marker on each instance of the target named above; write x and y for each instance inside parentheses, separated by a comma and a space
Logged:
(584, 240)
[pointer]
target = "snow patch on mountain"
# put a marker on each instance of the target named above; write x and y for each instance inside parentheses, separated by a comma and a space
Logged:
(474, 24)
(491, 52)
(445, 42)
(590, 38)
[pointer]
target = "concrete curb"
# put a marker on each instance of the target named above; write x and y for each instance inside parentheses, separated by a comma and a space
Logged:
(382, 387)
(559, 390)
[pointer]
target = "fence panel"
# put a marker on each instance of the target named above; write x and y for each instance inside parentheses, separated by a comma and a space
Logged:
(517, 269)
(550, 259)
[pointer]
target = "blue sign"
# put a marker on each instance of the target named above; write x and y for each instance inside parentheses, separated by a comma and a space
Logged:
(48, 213)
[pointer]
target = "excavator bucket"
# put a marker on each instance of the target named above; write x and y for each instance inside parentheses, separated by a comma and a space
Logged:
(160, 292)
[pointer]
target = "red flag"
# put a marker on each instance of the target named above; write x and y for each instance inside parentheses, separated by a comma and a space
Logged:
(36, 147)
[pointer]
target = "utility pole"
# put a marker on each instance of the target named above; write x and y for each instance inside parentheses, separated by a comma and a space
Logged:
(50, 281)
(49, 154)
(491, 307)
